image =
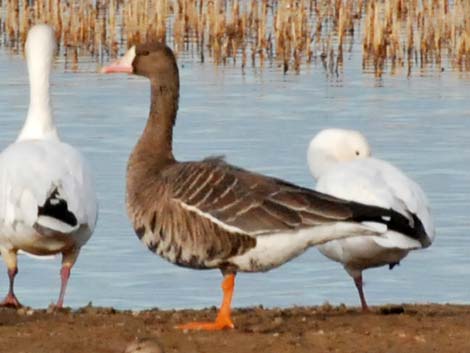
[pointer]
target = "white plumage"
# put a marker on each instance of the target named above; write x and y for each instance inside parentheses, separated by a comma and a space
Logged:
(340, 161)
(47, 198)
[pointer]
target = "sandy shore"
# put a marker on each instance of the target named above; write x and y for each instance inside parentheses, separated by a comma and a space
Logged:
(408, 328)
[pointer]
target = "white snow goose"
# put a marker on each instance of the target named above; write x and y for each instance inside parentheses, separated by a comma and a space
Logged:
(209, 214)
(47, 199)
(340, 162)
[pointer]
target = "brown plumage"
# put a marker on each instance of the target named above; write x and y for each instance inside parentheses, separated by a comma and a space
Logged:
(209, 214)
(162, 204)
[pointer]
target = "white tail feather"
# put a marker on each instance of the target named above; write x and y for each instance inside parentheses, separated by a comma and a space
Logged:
(40, 257)
(54, 225)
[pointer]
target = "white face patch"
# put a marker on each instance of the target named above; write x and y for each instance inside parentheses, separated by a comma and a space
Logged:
(129, 57)
(122, 65)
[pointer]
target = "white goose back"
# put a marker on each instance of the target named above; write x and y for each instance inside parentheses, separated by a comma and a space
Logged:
(40, 48)
(39, 170)
(340, 161)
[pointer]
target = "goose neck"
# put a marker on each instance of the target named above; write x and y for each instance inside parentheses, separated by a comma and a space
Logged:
(39, 122)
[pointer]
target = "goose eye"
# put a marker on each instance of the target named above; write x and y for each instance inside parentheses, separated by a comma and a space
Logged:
(144, 52)
(358, 153)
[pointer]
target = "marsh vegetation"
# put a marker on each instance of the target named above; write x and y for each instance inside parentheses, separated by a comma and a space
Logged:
(395, 35)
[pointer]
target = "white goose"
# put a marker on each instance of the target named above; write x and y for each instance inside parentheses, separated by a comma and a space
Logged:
(47, 198)
(340, 162)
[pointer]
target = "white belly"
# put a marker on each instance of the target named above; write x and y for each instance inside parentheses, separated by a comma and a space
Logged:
(276, 249)
(27, 239)
(359, 253)
(270, 251)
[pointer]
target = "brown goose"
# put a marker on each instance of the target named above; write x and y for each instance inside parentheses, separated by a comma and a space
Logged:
(210, 214)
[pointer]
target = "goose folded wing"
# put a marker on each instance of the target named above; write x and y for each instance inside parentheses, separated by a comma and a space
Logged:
(257, 205)
(409, 193)
(378, 183)
(47, 186)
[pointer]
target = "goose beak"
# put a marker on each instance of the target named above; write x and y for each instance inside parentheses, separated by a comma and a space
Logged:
(123, 65)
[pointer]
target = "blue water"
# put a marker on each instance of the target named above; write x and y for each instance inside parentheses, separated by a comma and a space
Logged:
(261, 120)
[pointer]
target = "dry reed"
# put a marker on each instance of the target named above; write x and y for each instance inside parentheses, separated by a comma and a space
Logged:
(395, 33)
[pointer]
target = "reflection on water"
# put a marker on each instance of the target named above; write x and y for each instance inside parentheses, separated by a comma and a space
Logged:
(260, 121)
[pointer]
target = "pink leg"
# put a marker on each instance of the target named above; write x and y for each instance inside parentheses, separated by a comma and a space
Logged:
(64, 277)
(11, 300)
(358, 283)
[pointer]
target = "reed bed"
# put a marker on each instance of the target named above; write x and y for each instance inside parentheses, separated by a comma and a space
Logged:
(395, 34)
(421, 33)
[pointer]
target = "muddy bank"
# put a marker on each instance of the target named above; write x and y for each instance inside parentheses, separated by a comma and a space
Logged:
(408, 328)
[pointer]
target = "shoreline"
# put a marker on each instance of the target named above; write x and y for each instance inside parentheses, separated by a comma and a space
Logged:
(387, 328)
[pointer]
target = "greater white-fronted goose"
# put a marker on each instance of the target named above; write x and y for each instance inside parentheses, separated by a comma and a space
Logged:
(210, 214)
(47, 199)
(340, 161)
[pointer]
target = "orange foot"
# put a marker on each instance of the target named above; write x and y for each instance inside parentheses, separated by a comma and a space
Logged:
(223, 319)
(10, 301)
(217, 325)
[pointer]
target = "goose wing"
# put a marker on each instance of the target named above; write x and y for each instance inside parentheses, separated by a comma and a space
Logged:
(254, 204)
(46, 185)
(375, 182)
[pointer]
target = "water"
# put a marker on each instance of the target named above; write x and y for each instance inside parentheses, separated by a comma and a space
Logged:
(261, 120)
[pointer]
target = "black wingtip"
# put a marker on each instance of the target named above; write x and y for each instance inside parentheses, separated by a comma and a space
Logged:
(413, 228)
(394, 220)
(421, 234)
(57, 208)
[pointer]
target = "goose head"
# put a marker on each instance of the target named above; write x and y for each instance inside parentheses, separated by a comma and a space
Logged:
(331, 146)
(155, 61)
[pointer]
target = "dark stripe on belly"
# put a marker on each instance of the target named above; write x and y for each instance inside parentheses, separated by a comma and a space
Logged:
(140, 231)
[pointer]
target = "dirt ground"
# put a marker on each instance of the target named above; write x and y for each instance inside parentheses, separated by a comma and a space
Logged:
(408, 328)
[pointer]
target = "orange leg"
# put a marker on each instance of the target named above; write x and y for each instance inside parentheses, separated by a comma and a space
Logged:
(223, 319)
